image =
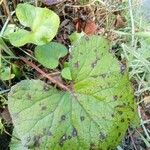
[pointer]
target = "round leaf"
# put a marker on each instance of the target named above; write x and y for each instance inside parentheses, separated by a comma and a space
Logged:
(48, 55)
(94, 114)
(43, 23)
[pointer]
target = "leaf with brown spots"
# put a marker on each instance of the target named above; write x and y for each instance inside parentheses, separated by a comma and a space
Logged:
(94, 114)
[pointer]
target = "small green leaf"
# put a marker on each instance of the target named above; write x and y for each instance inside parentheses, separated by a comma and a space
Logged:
(94, 114)
(66, 74)
(43, 23)
(75, 37)
(48, 55)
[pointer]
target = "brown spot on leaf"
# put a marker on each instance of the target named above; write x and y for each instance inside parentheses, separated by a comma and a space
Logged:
(119, 106)
(93, 64)
(132, 109)
(104, 117)
(122, 120)
(63, 117)
(64, 137)
(120, 112)
(122, 68)
(119, 134)
(103, 75)
(124, 104)
(43, 107)
(36, 140)
(74, 132)
(61, 144)
(28, 139)
(112, 115)
(49, 133)
(29, 96)
(92, 146)
(115, 97)
(102, 136)
(62, 140)
(128, 119)
(82, 118)
(76, 65)
(69, 137)
(44, 130)
(109, 148)
(46, 87)
(94, 76)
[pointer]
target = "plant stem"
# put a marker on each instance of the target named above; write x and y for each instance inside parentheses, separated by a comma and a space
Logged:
(60, 85)
(132, 22)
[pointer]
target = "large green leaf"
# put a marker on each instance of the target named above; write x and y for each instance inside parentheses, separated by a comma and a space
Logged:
(43, 23)
(94, 114)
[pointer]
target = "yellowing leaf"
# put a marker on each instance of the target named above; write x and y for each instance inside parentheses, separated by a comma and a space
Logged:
(43, 23)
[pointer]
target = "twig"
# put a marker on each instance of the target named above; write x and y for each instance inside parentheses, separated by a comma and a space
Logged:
(36, 3)
(4, 91)
(143, 126)
(87, 5)
(7, 10)
(132, 139)
(60, 85)
(5, 25)
(11, 135)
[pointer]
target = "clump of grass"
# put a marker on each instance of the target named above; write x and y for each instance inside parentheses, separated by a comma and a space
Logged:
(139, 65)
(136, 51)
